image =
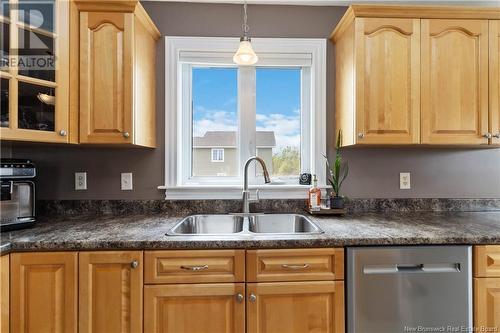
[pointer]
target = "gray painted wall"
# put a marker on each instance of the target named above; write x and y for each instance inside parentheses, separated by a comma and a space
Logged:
(454, 173)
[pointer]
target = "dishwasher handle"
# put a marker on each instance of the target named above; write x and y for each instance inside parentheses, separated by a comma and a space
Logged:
(412, 268)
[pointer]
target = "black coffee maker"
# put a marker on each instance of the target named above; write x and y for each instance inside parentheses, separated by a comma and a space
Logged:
(17, 197)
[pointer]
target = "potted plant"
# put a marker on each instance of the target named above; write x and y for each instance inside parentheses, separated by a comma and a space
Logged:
(338, 173)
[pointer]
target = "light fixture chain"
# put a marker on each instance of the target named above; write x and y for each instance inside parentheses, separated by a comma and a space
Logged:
(246, 28)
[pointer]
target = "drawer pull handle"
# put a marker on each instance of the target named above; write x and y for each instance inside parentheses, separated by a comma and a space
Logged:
(134, 264)
(195, 268)
(286, 266)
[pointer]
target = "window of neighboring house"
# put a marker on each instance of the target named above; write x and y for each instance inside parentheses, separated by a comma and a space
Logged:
(217, 156)
(274, 110)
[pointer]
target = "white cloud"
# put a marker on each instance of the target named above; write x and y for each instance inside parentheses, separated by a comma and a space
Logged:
(214, 120)
(286, 128)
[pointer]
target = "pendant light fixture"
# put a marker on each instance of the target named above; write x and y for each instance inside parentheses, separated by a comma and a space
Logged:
(245, 55)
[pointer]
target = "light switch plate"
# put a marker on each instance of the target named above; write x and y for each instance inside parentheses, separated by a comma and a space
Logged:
(80, 181)
(127, 181)
(404, 181)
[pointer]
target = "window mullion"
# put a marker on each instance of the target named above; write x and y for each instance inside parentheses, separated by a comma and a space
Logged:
(246, 92)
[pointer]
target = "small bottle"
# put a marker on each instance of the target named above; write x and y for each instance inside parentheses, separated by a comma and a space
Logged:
(314, 195)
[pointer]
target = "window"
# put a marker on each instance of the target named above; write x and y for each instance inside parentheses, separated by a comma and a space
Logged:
(218, 156)
(219, 115)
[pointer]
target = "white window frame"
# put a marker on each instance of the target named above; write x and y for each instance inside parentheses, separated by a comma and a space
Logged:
(176, 184)
(221, 155)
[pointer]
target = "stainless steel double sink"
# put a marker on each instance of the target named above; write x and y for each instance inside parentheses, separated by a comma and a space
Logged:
(245, 224)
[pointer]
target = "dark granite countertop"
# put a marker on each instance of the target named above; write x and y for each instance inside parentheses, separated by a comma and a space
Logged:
(148, 232)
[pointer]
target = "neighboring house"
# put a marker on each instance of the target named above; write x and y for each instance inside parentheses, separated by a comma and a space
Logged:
(215, 153)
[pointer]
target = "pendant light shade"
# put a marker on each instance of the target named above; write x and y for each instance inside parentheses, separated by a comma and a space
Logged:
(245, 54)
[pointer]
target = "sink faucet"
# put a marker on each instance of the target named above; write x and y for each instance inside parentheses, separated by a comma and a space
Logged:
(246, 192)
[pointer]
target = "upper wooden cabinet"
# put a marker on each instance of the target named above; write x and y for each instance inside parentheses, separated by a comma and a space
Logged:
(110, 291)
(44, 292)
(454, 81)
(387, 71)
(34, 71)
(417, 75)
(494, 34)
(101, 86)
(116, 75)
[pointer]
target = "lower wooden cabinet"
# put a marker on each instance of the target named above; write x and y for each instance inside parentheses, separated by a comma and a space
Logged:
(487, 288)
(195, 308)
(295, 307)
(110, 291)
(44, 292)
(4, 294)
(104, 291)
(487, 303)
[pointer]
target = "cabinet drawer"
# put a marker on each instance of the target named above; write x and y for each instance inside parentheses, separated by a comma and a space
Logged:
(295, 265)
(194, 266)
(487, 261)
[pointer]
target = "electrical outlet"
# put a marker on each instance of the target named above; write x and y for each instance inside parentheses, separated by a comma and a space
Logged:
(404, 181)
(80, 181)
(127, 181)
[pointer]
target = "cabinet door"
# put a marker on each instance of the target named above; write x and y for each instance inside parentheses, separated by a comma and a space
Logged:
(295, 307)
(387, 81)
(195, 308)
(4, 293)
(454, 81)
(35, 88)
(44, 292)
(110, 295)
(106, 41)
(495, 81)
(487, 303)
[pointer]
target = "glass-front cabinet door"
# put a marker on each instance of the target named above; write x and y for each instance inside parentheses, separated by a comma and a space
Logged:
(34, 70)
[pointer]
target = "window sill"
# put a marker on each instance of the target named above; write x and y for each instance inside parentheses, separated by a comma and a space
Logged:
(231, 192)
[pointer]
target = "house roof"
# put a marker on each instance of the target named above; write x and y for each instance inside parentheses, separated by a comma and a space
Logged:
(227, 139)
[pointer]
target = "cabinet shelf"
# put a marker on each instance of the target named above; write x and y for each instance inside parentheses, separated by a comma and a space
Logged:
(34, 29)
(40, 82)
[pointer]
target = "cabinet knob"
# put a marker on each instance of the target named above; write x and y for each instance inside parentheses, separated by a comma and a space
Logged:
(239, 298)
(253, 298)
(488, 136)
(361, 135)
(63, 132)
(497, 136)
(126, 134)
(134, 264)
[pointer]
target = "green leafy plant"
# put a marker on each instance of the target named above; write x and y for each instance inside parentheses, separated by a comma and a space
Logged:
(339, 170)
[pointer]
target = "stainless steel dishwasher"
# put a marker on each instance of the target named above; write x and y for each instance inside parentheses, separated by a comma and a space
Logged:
(409, 289)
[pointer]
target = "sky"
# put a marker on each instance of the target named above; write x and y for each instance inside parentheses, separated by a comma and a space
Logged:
(215, 94)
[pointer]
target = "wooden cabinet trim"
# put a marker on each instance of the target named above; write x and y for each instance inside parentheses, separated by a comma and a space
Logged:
(411, 12)
(494, 79)
(222, 266)
(269, 265)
